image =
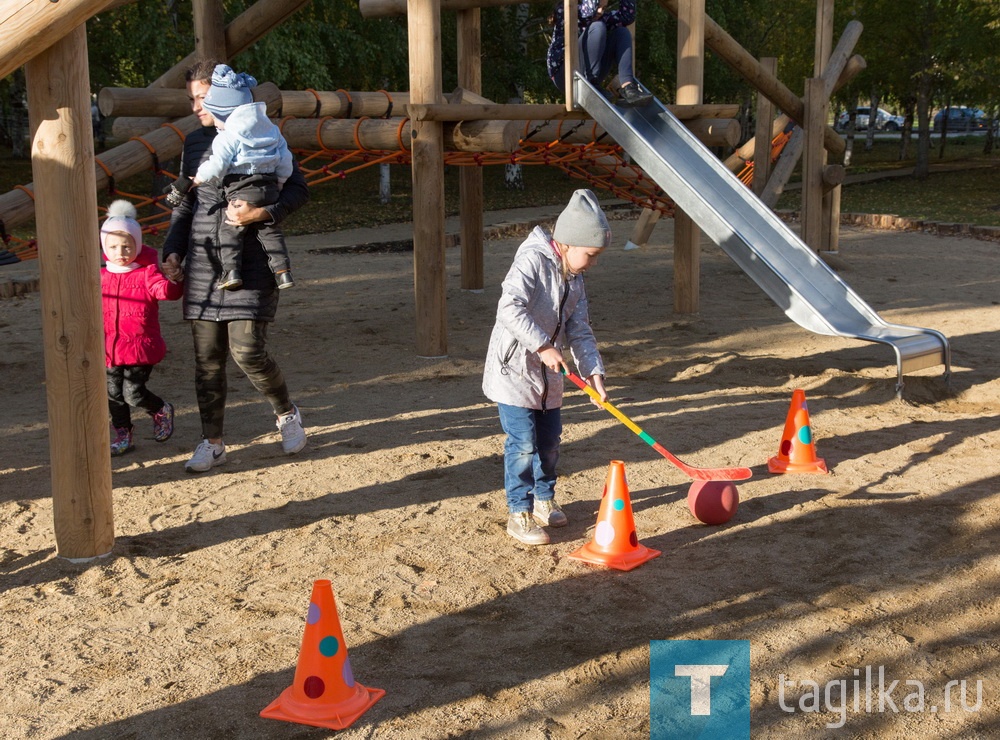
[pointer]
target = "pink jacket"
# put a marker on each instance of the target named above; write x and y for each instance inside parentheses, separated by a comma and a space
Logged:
(132, 314)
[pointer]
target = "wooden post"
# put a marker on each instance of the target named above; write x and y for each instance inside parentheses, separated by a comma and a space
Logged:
(816, 105)
(209, 30)
(470, 179)
(762, 135)
(427, 151)
(690, 82)
(570, 30)
(62, 161)
(831, 197)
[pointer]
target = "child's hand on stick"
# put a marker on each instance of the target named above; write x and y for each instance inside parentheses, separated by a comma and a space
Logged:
(597, 383)
(553, 359)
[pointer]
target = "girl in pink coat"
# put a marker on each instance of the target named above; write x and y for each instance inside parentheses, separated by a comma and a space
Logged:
(131, 288)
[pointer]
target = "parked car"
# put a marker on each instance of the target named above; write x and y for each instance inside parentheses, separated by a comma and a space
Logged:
(961, 118)
(884, 120)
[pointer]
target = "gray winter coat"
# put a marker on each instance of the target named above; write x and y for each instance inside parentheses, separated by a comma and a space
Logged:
(538, 307)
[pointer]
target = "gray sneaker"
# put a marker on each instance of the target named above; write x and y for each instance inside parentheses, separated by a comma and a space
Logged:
(548, 514)
(522, 528)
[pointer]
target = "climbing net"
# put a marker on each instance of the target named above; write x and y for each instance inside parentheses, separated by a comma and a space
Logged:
(602, 164)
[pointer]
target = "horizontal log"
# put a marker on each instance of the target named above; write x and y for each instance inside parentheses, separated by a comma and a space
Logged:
(833, 175)
(715, 131)
(174, 103)
(392, 134)
(519, 112)
(125, 160)
(123, 129)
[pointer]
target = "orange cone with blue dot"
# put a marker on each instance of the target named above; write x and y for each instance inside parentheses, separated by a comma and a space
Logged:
(615, 543)
(324, 692)
(797, 453)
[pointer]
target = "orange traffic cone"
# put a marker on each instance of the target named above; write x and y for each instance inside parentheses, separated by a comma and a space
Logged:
(324, 692)
(615, 543)
(797, 453)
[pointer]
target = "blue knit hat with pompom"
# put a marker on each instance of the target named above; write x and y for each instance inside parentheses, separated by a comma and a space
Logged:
(229, 90)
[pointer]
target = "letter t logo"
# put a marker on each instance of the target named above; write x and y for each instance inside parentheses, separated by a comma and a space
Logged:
(701, 685)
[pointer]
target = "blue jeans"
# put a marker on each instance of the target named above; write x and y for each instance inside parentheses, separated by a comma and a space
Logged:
(530, 455)
(600, 51)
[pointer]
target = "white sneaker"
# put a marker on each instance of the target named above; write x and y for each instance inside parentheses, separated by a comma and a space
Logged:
(206, 456)
(293, 436)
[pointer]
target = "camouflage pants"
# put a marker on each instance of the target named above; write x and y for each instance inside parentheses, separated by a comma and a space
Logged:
(246, 341)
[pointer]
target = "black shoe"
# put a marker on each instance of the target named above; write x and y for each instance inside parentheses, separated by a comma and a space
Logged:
(230, 280)
(284, 279)
(632, 96)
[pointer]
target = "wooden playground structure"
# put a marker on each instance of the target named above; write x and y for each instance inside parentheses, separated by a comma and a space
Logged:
(49, 40)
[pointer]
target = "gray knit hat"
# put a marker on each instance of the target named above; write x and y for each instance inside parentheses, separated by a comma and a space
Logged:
(582, 223)
(229, 90)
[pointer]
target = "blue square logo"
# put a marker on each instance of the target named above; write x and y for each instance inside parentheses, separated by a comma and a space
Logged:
(699, 689)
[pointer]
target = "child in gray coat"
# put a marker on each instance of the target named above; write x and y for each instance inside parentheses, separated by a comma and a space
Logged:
(543, 309)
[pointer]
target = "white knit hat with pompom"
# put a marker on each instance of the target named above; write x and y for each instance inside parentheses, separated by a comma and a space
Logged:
(122, 220)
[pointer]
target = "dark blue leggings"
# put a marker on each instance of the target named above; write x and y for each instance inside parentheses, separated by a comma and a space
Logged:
(600, 50)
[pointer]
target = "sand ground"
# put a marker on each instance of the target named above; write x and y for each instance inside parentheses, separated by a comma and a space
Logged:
(193, 624)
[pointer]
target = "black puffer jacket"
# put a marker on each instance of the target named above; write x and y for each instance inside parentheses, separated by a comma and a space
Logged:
(194, 238)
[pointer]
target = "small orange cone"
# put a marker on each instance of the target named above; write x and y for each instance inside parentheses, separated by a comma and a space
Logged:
(797, 453)
(324, 692)
(615, 543)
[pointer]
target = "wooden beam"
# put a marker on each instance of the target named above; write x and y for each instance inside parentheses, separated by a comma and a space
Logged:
(173, 102)
(572, 46)
(764, 135)
(209, 29)
(125, 160)
(750, 69)
(690, 79)
(715, 131)
(427, 152)
(245, 30)
(470, 179)
(32, 26)
(62, 158)
(553, 112)
(813, 163)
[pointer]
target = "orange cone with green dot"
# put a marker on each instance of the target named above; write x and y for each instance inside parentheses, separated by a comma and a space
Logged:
(615, 543)
(324, 692)
(797, 453)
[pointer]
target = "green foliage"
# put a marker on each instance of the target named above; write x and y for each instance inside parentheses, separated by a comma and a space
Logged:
(135, 43)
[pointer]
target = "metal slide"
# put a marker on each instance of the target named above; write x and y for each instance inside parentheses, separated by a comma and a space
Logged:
(796, 279)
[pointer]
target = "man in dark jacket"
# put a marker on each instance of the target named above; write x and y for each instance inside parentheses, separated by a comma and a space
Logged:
(225, 322)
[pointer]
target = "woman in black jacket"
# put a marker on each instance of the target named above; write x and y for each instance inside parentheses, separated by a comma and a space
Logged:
(225, 322)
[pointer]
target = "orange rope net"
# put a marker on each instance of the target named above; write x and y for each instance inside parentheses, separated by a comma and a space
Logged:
(603, 165)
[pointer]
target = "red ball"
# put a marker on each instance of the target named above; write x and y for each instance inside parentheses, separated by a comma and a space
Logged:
(713, 501)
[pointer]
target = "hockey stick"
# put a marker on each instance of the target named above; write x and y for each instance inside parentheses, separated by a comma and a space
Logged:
(692, 472)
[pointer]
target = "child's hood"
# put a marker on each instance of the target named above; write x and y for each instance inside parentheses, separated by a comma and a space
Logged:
(539, 241)
(250, 124)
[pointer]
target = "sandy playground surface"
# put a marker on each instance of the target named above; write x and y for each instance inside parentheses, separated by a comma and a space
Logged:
(194, 623)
